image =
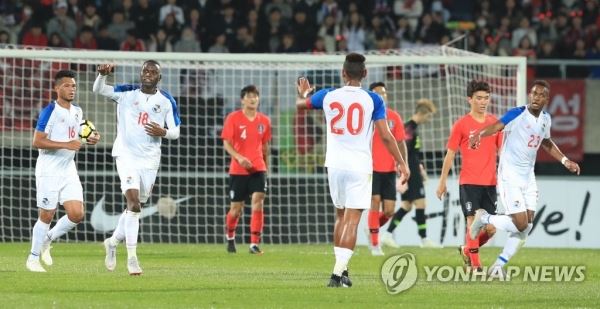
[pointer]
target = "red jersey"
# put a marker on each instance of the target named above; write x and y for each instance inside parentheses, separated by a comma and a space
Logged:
(478, 165)
(383, 161)
(247, 138)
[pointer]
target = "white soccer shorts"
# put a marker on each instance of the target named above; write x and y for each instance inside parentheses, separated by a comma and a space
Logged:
(54, 190)
(134, 178)
(350, 189)
(516, 197)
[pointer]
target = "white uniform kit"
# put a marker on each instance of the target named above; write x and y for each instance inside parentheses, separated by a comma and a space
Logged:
(55, 171)
(137, 154)
(523, 136)
(349, 113)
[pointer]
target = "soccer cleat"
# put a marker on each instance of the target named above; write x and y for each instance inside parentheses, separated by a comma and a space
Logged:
(388, 240)
(376, 251)
(428, 243)
(345, 279)
(254, 249)
(110, 261)
(231, 246)
(498, 272)
(46, 257)
(34, 265)
(335, 282)
(477, 223)
(466, 258)
(133, 266)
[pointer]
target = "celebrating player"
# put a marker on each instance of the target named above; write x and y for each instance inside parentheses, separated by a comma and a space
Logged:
(526, 129)
(384, 173)
(415, 195)
(246, 135)
(56, 179)
(350, 113)
(142, 111)
(478, 171)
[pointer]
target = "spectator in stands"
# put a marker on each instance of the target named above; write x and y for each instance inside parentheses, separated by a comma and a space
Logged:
(404, 32)
(145, 18)
(75, 11)
(590, 13)
(546, 30)
(329, 8)
(171, 8)
(283, 6)
(62, 24)
(547, 51)
(330, 31)
(104, 40)
(524, 30)
(126, 6)
(86, 39)
(35, 36)
(172, 28)
(579, 53)
(525, 49)
(5, 37)
(132, 42)
(188, 42)
(119, 26)
(288, 44)
(159, 42)
(56, 41)
(253, 23)
(429, 31)
(594, 54)
(354, 33)
(304, 31)
(219, 45)
(411, 10)
(198, 26)
(227, 23)
(244, 42)
(91, 17)
(319, 47)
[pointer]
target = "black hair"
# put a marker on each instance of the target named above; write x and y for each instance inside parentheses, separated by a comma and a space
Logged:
(151, 62)
(376, 84)
(355, 66)
(62, 74)
(477, 85)
(249, 89)
(541, 82)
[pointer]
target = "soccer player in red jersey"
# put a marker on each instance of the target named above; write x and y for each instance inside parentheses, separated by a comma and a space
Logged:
(478, 172)
(384, 172)
(246, 135)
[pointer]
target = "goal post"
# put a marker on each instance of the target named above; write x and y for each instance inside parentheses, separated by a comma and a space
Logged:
(190, 197)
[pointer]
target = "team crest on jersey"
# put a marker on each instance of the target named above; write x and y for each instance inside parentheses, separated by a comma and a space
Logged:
(156, 108)
(45, 201)
(469, 206)
(261, 129)
(129, 180)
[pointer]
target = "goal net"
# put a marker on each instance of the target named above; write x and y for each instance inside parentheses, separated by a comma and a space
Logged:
(190, 198)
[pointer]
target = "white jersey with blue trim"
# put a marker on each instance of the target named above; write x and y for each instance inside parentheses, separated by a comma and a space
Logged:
(135, 109)
(349, 113)
(523, 136)
(60, 125)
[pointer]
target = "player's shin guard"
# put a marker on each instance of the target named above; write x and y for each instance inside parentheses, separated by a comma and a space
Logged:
(38, 234)
(231, 224)
(473, 250)
(421, 223)
(256, 226)
(373, 220)
(132, 228)
(61, 228)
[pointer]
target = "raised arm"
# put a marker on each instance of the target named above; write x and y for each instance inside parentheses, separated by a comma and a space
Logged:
(304, 89)
(100, 86)
(475, 139)
(550, 147)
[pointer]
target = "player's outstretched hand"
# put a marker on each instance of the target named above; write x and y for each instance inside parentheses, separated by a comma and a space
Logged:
(73, 145)
(244, 162)
(474, 141)
(104, 69)
(94, 138)
(441, 190)
(304, 87)
(155, 129)
(573, 167)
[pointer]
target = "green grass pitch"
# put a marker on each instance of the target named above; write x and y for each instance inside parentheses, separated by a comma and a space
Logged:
(286, 276)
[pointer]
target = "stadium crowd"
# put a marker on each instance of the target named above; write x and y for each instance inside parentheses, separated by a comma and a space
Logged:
(537, 29)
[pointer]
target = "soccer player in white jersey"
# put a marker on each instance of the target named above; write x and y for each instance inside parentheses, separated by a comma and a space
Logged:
(526, 129)
(350, 112)
(56, 179)
(142, 112)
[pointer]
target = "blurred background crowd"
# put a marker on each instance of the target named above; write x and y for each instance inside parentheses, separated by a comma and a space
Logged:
(536, 29)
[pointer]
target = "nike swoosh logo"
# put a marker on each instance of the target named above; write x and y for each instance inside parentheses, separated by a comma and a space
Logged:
(103, 222)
